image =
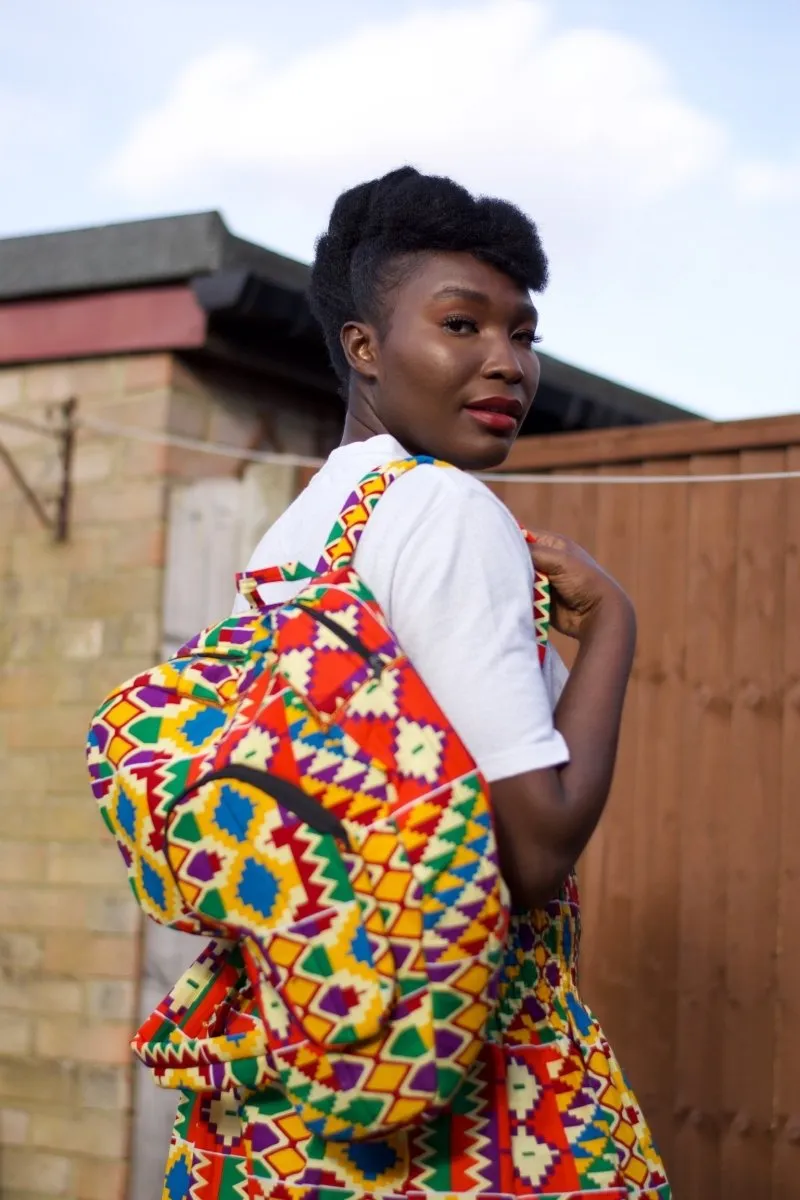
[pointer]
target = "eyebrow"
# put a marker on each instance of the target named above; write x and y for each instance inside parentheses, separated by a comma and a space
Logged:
(453, 291)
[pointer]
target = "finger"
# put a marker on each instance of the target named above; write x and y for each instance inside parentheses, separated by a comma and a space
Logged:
(551, 541)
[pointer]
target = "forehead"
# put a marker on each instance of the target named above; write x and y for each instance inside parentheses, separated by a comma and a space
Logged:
(444, 276)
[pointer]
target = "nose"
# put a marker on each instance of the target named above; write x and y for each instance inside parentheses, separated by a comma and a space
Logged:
(503, 361)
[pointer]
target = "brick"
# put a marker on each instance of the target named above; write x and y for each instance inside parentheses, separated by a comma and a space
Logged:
(21, 772)
(108, 1088)
(59, 727)
(14, 1126)
(119, 503)
(90, 685)
(102, 377)
(67, 776)
(93, 462)
(69, 1037)
(101, 1135)
(34, 1171)
(113, 912)
(26, 1195)
(52, 383)
(26, 641)
(27, 686)
(87, 550)
(99, 551)
(16, 1034)
(31, 1080)
(21, 955)
(84, 956)
(129, 591)
(148, 372)
(189, 416)
(138, 634)
(144, 545)
(11, 383)
(37, 456)
(21, 862)
(126, 410)
(43, 908)
(100, 1180)
(111, 1000)
(82, 638)
(189, 381)
(17, 438)
(136, 458)
(235, 424)
(72, 819)
(37, 597)
(83, 864)
(42, 996)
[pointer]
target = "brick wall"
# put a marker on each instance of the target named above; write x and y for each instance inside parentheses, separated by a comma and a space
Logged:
(75, 620)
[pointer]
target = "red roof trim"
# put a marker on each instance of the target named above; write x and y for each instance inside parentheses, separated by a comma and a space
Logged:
(156, 318)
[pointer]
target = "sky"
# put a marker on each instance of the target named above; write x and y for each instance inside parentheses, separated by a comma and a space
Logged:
(657, 146)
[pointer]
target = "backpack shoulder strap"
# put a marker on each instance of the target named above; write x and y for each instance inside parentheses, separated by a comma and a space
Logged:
(341, 544)
(351, 522)
(343, 539)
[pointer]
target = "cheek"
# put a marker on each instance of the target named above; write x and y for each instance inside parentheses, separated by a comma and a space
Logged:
(532, 377)
(430, 363)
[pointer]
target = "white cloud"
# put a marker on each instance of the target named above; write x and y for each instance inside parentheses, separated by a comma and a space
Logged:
(665, 274)
(768, 182)
(570, 122)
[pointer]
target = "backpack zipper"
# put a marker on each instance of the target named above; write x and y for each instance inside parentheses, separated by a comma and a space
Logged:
(287, 794)
(371, 657)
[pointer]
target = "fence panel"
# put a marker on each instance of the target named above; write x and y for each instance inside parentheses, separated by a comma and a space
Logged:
(691, 885)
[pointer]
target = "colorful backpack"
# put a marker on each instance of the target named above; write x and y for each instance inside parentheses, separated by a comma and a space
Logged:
(287, 785)
(287, 781)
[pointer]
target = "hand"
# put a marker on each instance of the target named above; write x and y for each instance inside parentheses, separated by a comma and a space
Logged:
(580, 589)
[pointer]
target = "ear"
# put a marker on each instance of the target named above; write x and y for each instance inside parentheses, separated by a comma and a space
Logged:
(360, 345)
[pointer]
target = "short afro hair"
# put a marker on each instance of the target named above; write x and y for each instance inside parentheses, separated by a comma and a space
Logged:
(375, 225)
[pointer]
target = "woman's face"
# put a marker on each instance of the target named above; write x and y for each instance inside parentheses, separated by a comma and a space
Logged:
(454, 373)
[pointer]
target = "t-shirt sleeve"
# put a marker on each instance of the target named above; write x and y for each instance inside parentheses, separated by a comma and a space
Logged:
(457, 584)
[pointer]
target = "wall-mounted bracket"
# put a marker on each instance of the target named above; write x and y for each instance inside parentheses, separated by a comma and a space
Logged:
(52, 513)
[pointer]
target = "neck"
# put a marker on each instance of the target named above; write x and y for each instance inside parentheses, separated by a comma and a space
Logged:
(361, 422)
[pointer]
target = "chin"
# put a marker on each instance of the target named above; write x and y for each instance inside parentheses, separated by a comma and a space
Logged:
(491, 452)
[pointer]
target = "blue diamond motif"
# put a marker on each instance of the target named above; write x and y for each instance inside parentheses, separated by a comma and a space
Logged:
(203, 725)
(178, 1181)
(360, 947)
(126, 814)
(258, 888)
(153, 885)
(234, 813)
(372, 1158)
(579, 1015)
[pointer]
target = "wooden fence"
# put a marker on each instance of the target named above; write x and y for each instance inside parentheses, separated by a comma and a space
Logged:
(691, 885)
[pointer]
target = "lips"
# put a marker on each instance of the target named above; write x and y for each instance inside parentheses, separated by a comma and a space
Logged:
(499, 414)
(507, 406)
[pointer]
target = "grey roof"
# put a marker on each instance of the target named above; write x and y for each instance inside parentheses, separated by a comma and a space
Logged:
(638, 406)
(134, 253)
(183, 248)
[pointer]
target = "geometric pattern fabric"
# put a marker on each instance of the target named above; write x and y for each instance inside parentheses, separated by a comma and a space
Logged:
(369, 1018)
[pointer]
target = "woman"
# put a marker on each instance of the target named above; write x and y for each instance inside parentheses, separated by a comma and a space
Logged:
(423, 294)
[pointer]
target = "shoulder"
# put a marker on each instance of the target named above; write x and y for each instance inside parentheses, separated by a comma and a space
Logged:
(442, 524)
(447, 493)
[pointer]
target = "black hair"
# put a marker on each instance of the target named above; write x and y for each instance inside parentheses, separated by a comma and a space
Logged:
(375, 227)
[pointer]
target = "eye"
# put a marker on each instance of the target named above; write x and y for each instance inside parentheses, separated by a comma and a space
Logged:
(528, 335)
(460, 325)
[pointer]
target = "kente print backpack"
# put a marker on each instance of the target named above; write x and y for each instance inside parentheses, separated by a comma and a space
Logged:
(287, 786)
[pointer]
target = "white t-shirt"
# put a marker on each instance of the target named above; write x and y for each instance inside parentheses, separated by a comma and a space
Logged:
(450, 569)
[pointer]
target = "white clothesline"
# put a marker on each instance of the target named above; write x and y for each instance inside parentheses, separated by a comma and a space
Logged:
(300, 460)
(273, 457)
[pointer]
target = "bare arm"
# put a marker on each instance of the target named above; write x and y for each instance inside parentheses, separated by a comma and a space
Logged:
(545, 818)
